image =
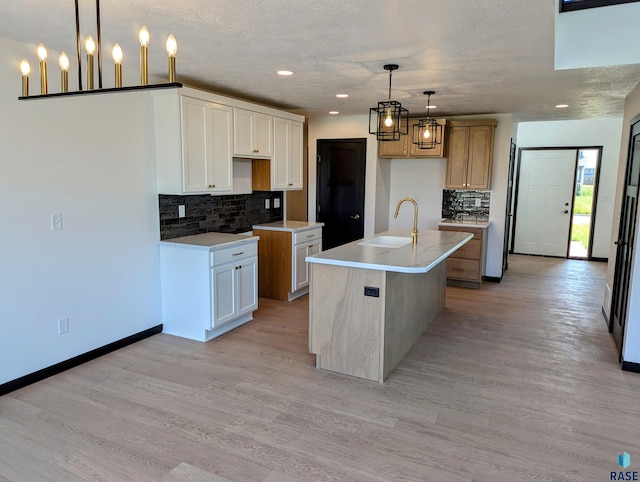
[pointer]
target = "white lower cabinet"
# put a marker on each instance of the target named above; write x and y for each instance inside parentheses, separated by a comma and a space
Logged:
(207, 292)
(300, 270)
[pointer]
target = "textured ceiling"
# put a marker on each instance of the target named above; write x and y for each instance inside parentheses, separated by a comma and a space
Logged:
(480, 56)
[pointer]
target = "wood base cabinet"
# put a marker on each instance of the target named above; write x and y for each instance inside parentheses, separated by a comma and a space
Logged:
(470, 157)
(284, 273)
(465, 267)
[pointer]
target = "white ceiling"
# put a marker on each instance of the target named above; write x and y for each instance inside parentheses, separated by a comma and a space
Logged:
(480, 56)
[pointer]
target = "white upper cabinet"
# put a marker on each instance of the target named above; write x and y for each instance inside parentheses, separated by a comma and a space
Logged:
(193, 140)
(253, 134)
(286, 164)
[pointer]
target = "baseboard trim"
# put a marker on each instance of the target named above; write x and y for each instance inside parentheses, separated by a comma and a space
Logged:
(76, 360)
(630, 367)
(601, 260)
(604, 315)
(493, 279)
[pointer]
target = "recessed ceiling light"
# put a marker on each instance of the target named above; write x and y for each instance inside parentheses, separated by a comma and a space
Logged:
(285, 72)
(562, 106)
(342, 96)
(334, 112)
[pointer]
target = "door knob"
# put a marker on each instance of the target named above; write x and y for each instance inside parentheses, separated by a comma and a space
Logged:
(566, 204)
(355, 216)
(620, 243)
(565, 211)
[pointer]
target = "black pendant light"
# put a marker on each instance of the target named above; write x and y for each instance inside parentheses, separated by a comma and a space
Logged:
(389, 120)
(427, 133)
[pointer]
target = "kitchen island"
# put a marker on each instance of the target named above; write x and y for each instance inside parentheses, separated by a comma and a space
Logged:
(370, 300)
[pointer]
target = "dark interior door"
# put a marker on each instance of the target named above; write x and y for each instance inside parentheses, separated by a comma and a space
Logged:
(508, 214)
(341, 169)
(625, 242)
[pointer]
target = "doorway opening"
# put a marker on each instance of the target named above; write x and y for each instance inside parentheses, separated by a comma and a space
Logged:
(584, 203)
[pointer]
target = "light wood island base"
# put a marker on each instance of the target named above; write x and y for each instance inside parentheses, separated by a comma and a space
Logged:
(367, 336)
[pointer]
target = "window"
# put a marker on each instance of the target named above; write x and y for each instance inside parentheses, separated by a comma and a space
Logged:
(571, 5)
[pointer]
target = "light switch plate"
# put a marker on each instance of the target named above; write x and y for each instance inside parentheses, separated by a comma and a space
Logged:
(181, 212)
(56, 222)
(267, 203)
(276, 203)
(478, 202)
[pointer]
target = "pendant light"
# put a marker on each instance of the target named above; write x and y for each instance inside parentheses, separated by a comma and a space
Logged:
(389, 120)
(427, 133)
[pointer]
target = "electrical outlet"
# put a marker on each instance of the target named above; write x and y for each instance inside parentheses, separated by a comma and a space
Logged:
(478, 202)
(267, 203)
(181, 212)
(276, 203)
(63, 326)
(56, 222)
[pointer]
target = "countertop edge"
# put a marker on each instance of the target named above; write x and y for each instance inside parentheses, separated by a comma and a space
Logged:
(282, 228)
(214, 247)
(462, 224)
(392, 268)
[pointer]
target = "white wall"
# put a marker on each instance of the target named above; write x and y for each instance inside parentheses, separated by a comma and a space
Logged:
(376, 199)
(631, 347)
(597, 37)
(585, 133)
(90, 159)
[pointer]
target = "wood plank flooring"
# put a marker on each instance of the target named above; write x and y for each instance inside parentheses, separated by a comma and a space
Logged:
(517, 381)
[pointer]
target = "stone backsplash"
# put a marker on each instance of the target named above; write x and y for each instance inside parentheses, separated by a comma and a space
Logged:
(458, 204)
(224, 214)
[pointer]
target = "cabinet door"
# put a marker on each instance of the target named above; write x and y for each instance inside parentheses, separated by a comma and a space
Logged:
(394, 149)
(456, 177)
(195, 140)
(438, 151)
(247, 281)
(243, 132)
(220, 154)
(480, 157)
(296, 132)
(280, 159)
(300, 277)
(262, 135)
(224, 296)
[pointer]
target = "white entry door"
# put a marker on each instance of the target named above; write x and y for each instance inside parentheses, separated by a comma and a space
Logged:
(545, 191)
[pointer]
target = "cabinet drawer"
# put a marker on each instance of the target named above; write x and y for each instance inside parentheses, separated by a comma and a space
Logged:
(308, 235)
(231, 254)
(471, 250)
(477, 232)
(464, 269)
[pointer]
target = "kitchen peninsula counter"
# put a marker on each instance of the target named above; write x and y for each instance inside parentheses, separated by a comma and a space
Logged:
(368, 304)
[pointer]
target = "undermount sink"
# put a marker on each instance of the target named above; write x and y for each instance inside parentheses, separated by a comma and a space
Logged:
(386, 242)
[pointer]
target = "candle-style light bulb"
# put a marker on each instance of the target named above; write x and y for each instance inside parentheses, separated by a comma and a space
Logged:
(90, 47)
(427, 133)
(144, 37)
(388, 120)
(25, 70)
(172, 49)
(117, 60)
(63, 60)
(42, 55)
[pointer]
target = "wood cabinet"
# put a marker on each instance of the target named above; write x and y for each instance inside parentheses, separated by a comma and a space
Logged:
(283, 172)
(470, 155)
(465, 267)
(207, 292)
(193, 146)
(252, 134)
(407, 149)
(284, 273)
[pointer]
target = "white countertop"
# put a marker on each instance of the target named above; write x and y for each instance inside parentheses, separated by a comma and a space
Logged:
(432, 248)
(293, 226)
(211, 241)
(465, 223)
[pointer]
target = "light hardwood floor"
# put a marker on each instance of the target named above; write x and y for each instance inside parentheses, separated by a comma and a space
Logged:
(515, 381)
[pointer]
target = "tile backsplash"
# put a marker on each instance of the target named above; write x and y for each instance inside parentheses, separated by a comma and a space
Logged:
(459, 204)
(225, 214)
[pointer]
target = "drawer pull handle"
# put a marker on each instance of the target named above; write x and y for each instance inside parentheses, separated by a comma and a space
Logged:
(311, 245)
(310, 235)
(238, 254)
